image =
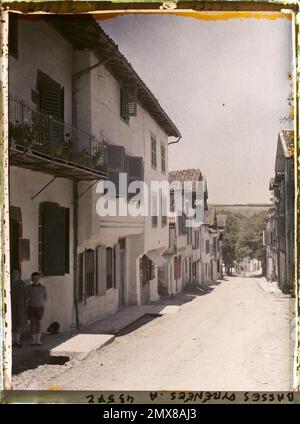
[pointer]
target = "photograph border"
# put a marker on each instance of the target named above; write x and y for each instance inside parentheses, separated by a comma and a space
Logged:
(205, 10)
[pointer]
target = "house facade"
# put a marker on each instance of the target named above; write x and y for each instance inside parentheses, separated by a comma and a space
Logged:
(279, 235)
(185, 251)
(80, 115)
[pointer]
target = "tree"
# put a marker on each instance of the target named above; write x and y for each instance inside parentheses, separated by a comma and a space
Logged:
(230, 237)
(250, 237)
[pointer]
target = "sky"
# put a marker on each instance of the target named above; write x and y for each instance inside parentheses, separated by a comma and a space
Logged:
(225, 86)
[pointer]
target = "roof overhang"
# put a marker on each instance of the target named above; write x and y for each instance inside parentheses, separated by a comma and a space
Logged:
(84, 32)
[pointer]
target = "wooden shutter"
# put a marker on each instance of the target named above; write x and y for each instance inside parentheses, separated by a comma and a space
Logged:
(67, 240)
(81, 272)
(101, 270)
(117, 265)
(51, 96)
(50, 100)
(90, 275)
(13, 34)
(116, 163)
(135, 170)
(53, 240)
(128, 100)
(280, 226)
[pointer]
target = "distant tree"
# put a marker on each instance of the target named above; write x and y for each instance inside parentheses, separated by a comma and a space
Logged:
(230, 237)
(250, 239)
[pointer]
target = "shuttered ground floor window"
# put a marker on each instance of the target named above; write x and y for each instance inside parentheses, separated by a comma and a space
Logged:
(97, 271)
(54, 239)
(177, 267)
(146, 270)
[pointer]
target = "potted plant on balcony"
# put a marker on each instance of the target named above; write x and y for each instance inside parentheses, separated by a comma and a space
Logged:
(97, 159)
(64, 149)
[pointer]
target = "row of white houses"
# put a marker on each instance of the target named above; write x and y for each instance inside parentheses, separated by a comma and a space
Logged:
(195, 251)
(78, 114)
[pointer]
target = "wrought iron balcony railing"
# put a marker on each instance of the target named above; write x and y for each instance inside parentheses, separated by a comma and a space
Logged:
(41, 136)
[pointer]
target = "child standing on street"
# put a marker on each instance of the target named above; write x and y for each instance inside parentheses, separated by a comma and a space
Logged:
(37, 296)
(18, 306)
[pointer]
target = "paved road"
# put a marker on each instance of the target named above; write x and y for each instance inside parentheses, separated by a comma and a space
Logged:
(237, 337)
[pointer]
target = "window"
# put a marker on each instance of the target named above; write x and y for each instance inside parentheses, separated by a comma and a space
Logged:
(109, 268)
(181, 224)
(172, 201)
(50, 96)
(135, 171)
(189, 235)
(207, 246)
(90, 272)
(13, 35)
(146, 269)
(164, 209)
(128, 97)
(153, 152)
(177, 267)
(163, 158)
(154, 208)
(54, 234)
(16, 229)
(115, 159)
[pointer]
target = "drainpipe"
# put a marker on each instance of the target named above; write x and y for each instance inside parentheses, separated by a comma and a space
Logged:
(176, 141)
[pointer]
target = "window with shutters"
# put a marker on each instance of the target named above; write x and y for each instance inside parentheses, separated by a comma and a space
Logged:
(135, 170)
(13, 35)
(154, 208)
(181, 224)
(54, 239)
(163, 158)
(109, 268)
(177, 267)
(146, 269)
(207, 246)
(116, 164)
(153, 152)
(81, 277)
(128, 97)
(164, 209)
(51, 96)
(172, 201)
(90, 272)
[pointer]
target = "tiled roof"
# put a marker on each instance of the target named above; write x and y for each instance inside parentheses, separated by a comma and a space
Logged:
(287, 137)
(177, 178)
(221, 220)
(84, 32)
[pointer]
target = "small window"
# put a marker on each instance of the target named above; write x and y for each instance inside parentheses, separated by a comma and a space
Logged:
(128, 97)
(13, 35)
(153, 152)
(163, 158)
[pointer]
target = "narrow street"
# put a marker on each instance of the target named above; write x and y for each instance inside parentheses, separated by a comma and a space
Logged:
(236, 337)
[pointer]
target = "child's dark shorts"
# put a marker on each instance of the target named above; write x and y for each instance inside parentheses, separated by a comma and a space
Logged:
(35, 312)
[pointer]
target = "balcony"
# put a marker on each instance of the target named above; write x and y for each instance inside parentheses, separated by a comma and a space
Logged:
(41, 143)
